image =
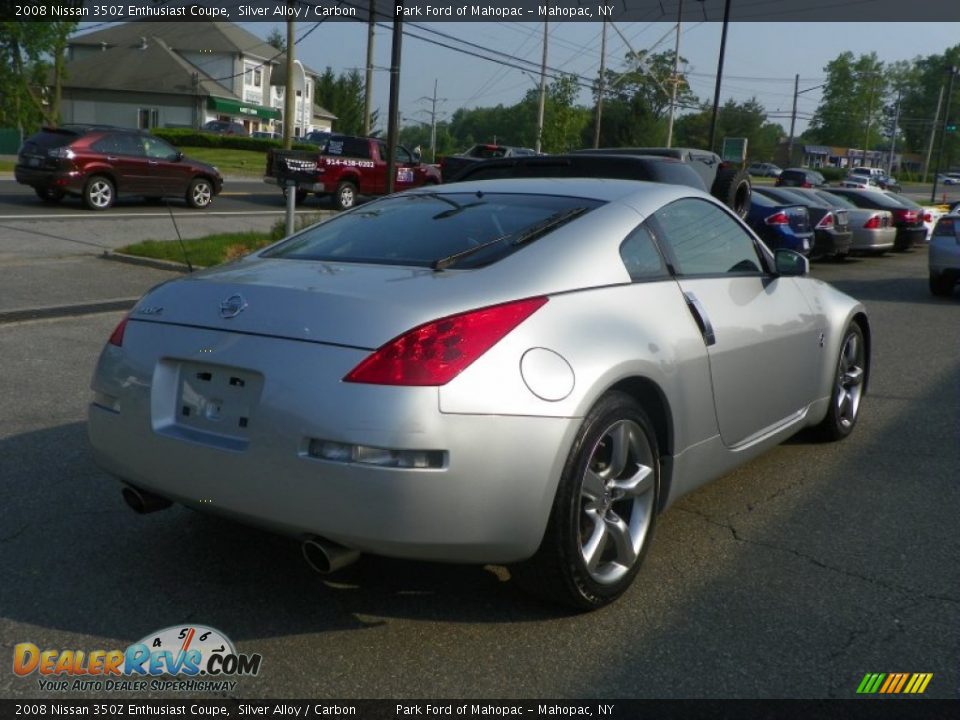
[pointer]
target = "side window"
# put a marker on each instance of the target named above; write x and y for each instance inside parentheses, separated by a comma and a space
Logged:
(107, 145)
(641, 257)
(158, 149)
(702, 239)
(130, 145)
(402, 155)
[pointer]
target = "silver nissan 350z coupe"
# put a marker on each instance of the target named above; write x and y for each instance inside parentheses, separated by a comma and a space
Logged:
(520, 371)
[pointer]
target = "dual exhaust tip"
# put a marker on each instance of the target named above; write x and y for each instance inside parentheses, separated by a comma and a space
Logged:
(322, 555)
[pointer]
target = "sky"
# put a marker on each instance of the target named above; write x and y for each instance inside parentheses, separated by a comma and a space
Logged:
(761, 58)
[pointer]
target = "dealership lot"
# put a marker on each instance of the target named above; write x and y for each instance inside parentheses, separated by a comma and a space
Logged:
(846, 565)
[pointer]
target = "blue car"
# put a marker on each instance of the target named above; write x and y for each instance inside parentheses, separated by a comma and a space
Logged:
(779, 225)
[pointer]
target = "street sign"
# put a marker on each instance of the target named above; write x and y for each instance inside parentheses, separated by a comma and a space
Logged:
(734, 150)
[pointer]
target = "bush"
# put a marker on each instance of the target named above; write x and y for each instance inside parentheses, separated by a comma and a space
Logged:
(186, 137)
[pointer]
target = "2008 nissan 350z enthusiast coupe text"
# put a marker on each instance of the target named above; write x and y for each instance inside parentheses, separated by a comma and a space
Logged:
(520, 371)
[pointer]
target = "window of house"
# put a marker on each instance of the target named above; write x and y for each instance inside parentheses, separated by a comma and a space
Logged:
(253, 75)
(148, 118)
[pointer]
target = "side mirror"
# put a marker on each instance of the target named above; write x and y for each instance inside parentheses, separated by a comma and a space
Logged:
(178, 157)
(790, 263)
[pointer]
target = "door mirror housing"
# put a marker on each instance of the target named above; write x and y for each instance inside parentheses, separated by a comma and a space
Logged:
(790, 263)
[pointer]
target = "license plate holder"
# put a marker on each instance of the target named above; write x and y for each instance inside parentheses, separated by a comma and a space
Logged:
(217, 399)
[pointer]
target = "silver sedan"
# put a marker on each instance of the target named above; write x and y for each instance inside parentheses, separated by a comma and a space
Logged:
(509, 371)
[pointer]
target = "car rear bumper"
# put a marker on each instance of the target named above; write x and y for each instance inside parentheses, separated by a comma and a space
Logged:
(44, 178)
(832, 242)
(307, 185)
(944, 256)
(879, 239)
(488, 501)
(908, 237)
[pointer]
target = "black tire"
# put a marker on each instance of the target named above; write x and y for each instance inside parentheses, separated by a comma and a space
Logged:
(346, 196)
(49, 194)
(199, 193)
(848, 388)
(941, 285)
(593, 512)
(732, 187)
(99, 193)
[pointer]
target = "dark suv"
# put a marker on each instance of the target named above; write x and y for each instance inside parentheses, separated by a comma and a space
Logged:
(800, 177)
(98, 163)
(225, 127)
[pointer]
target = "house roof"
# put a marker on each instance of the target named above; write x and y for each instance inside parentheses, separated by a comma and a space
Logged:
(153, 67)
(214, 37)
(217, 37)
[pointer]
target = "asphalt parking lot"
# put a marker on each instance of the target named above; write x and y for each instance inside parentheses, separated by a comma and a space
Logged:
(791, 577)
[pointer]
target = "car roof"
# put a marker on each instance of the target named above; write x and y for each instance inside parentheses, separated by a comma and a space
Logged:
(588, 164)
(635, 192)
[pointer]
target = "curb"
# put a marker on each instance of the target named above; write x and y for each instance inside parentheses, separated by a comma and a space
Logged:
(171, 265)
(59, 311)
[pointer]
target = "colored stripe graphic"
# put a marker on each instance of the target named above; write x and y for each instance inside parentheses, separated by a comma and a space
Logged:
(894, 683)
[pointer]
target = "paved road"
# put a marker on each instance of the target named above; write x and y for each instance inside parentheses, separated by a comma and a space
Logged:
(791, 577)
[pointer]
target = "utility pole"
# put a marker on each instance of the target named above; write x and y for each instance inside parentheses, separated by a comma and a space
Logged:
(600, 89)
(893, 135)
(289, 96)
(793, 118)
(676, 76)
(543, 90)
(368, 83)
(933, 133)
(433, 119)
(943, 135)
(716, 92)
(866, 139)
(393, 124)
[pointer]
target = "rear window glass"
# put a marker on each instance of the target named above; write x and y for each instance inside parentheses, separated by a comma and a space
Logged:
(348, 147)
(948, 226)
(421, 229)
(836, 200)
(46, 140)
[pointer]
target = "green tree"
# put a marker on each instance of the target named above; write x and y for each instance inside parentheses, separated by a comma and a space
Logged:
(636, 101)
(33, 57)
(277, 39)
(343, 96)
(851, 109)
(921, 89)
(746, 119)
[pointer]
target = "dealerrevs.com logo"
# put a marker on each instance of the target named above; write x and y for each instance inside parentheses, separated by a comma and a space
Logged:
(201, 658)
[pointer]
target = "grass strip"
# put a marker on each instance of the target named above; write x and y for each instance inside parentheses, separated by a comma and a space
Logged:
(205, 251)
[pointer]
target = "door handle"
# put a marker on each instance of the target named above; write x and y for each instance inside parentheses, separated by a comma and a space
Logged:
(153, 162)
(700, 317)
(112, 158)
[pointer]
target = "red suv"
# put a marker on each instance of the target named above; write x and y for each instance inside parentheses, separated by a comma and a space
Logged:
(99, 163)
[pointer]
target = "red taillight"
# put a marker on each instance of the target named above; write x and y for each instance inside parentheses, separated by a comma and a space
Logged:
(806, 184)
(436, 352)
(873, 223)
(928, 217)
(116, 337)
(905, 216)
(779, 218)
(826, 221)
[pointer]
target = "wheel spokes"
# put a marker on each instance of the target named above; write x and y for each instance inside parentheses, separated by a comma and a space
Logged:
(616, 502)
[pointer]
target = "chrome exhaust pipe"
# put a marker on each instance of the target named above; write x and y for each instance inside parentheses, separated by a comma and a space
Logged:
(325, 556)
(143, 502)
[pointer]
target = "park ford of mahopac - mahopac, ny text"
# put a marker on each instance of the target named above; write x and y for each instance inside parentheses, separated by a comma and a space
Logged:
(474, 11)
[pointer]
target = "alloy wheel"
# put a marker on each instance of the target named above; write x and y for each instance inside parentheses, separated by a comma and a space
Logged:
(850, 376)
(616, 502)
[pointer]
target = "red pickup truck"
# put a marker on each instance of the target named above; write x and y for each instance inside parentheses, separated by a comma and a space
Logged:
(345, 166)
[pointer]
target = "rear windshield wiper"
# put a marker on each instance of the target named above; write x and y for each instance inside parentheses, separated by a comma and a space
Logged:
(527, 235)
